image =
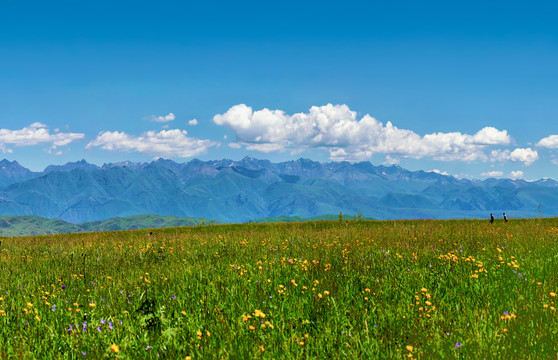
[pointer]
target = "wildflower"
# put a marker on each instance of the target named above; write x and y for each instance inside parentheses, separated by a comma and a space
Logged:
(115, 348)
(183, 312)
(29, 304)
(457, 345)
(553, 294)
(173, 297)
(92, 304)
(410, 348)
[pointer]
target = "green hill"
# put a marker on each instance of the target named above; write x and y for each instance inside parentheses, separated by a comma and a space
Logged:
(36, 225)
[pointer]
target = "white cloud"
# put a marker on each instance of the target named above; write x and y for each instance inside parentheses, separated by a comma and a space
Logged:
(390, 161)
(167, 143)
(193, 122)
(439, 172)
(166, 118)
(35, 134)
(515, 174)
(492, 136)
(549, 142)
(525, 155)
(337, 129)
(494, 173)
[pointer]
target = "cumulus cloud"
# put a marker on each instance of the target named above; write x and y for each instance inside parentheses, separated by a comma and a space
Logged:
(549, 142)
(515, 174)
(193, 122)
(338, 130)
(34, 134)
(494, 173)
(525, 155)
(162, 119)
(167, 143)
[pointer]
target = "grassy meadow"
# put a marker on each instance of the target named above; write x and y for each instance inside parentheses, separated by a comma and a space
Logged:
(359, 289)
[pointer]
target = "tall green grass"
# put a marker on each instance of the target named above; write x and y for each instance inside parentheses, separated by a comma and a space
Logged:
(357, 289)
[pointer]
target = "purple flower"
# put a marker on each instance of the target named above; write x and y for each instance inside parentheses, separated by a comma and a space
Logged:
(63, 287)
(84, 353)
(99, 328)
(457, 345)
(110, 325)
(54, 308)
(103, 321)
(173, 297)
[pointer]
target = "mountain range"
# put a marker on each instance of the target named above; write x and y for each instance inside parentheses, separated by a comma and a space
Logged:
(251, 189)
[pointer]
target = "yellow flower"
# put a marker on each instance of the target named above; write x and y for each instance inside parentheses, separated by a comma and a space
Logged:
(29, 304)
(115, 348)
(91, 304)
(38, 318)
(326, 292)
(424, 290)
(251, 327)
(553, 294)
(199, 333)
(183, 312)
(410, 348)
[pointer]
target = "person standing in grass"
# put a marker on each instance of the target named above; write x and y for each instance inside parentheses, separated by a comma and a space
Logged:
(491, 218)
(505, 218)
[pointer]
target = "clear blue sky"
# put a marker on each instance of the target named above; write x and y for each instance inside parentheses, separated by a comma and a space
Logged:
(465, 87)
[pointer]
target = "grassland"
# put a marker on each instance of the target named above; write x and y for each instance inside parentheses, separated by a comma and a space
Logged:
(356, 289)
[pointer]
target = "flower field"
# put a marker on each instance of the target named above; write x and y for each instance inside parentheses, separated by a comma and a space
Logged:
(359, 289)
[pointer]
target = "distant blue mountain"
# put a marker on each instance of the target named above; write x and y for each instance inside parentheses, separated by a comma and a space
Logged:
(251, 189)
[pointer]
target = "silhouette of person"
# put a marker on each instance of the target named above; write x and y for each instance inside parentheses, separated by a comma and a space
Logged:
(505, 218)
(491, 218)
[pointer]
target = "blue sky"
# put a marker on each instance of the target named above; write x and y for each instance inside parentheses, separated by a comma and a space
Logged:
(469, 88)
